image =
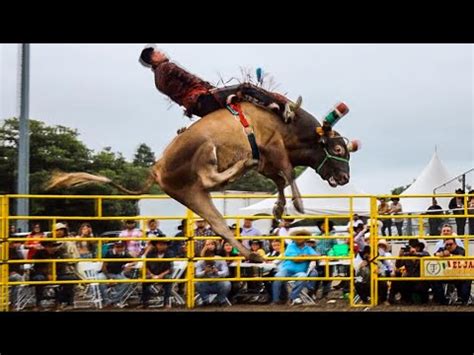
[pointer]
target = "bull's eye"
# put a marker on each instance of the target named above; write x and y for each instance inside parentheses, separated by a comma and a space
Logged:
(339, 149)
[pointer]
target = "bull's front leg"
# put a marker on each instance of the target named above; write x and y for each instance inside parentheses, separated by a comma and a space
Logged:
(279, 206)
(289, 175)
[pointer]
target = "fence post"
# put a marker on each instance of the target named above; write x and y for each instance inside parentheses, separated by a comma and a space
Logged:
(4, 231)
(190, 254)
(373, 251)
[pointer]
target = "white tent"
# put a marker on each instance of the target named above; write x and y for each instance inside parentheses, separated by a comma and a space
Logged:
(432, 176)
(310, 183)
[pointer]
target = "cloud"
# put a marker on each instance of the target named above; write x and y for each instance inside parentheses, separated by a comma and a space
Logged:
(404, 99)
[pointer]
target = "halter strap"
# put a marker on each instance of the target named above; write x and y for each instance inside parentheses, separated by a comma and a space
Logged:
(329, 156)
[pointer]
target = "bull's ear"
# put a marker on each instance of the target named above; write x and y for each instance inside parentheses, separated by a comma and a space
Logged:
(354, 146)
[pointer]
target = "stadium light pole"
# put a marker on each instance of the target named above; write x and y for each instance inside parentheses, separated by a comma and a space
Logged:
(24, 139)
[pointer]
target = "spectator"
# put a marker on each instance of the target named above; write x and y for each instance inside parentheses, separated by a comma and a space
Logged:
(396, 209)
(384, 210)
(115, 270)
(456, 204)
(153, 229)
(134, 247)
(34, 245)
(323, 246)
(157, 270)
(435, 223)
(256, 246)
(295, 268)
(446, 230)
(249, 231)
(386, 266)
(356, 221)
(463, 286)
(15, 271)
(201, 231)
(212, 269)
(44, 272)
(411, 291)
(178, 248)
(274, 251)
(470, 206)
(67, 250)
(363, 277)
(212, 245)
(228, 251)
(359, 237)
(284, 230)
(86, 249)
(233, 228)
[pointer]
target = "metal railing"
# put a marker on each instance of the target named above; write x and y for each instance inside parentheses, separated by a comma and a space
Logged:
(189, 278)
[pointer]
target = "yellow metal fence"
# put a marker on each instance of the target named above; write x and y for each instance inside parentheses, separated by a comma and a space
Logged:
(189, 239)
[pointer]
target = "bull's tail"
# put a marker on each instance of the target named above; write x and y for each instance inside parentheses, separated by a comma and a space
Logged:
(64, 180)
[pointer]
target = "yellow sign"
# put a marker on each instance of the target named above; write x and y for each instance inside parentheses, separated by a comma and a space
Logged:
(449, 268)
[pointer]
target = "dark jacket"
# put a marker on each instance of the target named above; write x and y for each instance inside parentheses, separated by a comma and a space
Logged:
(115, 267)
(158, 267)
(47, 268)
(15, 254)
(453, 205)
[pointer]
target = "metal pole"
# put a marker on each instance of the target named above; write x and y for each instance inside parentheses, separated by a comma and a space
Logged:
(24, 141)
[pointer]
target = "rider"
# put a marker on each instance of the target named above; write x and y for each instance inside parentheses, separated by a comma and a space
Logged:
(200, 97)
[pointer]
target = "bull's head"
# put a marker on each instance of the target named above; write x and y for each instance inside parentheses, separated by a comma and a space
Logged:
(332, 160)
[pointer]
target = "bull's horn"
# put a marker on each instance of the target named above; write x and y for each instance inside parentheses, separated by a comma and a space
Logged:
(339, 111)
(354, 146)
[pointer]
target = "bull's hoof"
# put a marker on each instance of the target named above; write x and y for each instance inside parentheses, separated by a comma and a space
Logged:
(298, 204)
(256, 258)
(278, 210)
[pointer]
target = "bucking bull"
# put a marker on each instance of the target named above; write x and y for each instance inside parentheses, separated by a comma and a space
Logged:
(215, 150)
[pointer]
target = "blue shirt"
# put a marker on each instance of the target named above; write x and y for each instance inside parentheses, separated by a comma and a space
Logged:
(294, 250)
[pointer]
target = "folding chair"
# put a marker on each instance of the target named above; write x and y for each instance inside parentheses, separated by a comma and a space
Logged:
(25, 297)
(198, 299)
(132, 291)
(305, 297)
(92, 294)
(177, 270)
(25, 293)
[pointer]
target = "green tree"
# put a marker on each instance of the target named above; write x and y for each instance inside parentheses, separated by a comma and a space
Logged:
(59, 148)
(398, 190)
(51, 148)
(144, 156)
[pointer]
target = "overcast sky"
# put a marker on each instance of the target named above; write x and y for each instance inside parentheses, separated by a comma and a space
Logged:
(404, 99)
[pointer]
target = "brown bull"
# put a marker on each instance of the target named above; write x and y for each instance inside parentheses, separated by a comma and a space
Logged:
(216, 150)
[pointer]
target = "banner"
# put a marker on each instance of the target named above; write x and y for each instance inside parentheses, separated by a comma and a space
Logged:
(449, 268)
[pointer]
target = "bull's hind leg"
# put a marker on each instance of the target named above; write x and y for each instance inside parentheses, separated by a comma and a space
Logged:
(206, 167)
(199, 201)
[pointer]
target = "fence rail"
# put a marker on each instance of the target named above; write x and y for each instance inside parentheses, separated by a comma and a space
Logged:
(189, 278)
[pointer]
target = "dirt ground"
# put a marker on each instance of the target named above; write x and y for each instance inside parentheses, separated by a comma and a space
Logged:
(333, 304)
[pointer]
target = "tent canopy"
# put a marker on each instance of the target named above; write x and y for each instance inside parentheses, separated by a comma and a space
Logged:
(432, 176)
(310, 183)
